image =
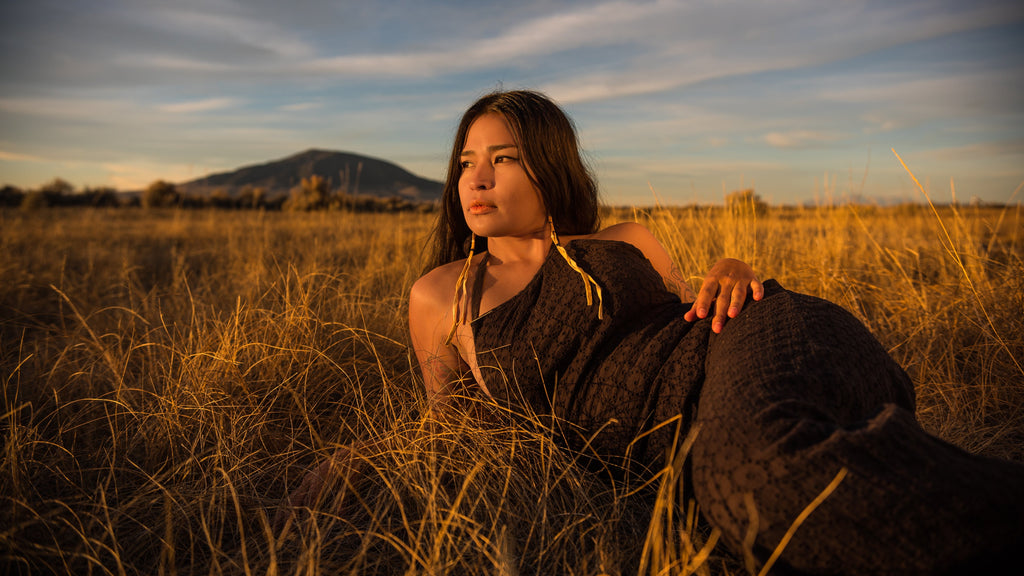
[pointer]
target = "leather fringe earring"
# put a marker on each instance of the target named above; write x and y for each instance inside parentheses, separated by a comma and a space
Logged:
(459, 316)
(587, 278)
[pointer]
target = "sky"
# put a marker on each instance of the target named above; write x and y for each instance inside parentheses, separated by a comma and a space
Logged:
(676, 101)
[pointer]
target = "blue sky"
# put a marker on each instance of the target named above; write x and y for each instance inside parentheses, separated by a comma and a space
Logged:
(799, 99)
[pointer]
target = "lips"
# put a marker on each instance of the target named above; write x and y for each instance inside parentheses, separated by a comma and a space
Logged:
(477, 208)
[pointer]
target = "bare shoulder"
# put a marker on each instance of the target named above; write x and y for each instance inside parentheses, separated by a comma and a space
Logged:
(630, 232)
(642, 238)
(637, 235)
(436, 286)
(430, 319)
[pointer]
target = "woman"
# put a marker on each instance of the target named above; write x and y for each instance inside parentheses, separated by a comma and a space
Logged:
(496, 201)
(533, 308)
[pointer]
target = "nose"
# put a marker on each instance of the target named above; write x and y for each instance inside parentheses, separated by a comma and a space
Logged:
(481, 176)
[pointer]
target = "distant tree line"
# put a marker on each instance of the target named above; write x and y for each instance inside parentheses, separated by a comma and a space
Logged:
(58, 193)
(313, 193)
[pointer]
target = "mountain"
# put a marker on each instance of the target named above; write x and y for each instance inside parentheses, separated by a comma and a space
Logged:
(353, 173)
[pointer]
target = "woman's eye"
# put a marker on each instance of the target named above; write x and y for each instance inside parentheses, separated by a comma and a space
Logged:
(501, 159)
(465, 164)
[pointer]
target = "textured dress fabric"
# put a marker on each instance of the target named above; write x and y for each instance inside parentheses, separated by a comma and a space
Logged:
(792, 391)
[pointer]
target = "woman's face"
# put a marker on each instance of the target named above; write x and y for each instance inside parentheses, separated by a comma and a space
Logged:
(497, 196)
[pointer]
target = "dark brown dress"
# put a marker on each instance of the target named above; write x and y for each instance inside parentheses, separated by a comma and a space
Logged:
(792, 391)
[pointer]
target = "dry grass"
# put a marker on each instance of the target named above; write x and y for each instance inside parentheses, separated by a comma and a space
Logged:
(169, 376)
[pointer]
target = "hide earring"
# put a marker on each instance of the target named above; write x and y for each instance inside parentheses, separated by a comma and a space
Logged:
(587, 278)
(459, 315)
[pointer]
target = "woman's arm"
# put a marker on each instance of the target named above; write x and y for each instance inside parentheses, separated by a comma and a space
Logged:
(726, 284)
(430, 302)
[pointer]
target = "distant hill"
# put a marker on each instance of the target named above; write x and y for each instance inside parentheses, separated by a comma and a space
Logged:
(353, 173)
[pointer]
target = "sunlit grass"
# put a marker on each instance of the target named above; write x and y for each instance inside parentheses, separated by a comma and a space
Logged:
(170, 376)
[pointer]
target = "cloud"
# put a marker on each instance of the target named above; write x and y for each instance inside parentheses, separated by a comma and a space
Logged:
(301, 106)
(659, 46)
(592, 25)
(137, 173)
(1014, 149)
(205, 105)
(950, 91)
(878, 122)
(66, 108)
(661, 122)
(687, 167)
(171, 63)
(891, 102)
(597, 51)
(16, 157)
(221, 22)
(649, 79)
(606, 86)
(799, 138)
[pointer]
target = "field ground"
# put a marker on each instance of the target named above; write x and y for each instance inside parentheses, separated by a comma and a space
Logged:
(170, 375)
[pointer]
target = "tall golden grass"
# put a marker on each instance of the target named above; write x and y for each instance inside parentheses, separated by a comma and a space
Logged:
(169, 376)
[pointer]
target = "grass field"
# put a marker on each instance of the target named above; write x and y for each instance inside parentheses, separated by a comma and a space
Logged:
(170, 375)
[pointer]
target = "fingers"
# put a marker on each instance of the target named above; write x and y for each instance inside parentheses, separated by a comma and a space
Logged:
(757, 289)
(739, 296)
(726, 288)
(722, 312)
(727, 296)
(705, 298)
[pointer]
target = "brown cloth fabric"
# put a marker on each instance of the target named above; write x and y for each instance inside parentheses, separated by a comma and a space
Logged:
(791, 391)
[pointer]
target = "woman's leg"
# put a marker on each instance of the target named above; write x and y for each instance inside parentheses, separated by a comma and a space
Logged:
(797, 389)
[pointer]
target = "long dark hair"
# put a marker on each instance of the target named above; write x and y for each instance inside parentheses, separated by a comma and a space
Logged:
(549, 148)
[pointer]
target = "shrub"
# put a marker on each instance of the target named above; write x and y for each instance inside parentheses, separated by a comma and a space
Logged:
(745, 202)
(160, 194)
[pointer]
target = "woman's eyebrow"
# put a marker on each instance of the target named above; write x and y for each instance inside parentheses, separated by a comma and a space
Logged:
(490, 149)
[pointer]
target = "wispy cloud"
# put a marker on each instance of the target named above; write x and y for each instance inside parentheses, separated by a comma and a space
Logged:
(604, 86)
(301, 106)
(205, 105)
(1013, 149)
(671, 44)
(66, 108)
(588, 26)
(171, 63)
(16, 157)
(663, 90)
(684, 167)
(135, 173)
(799, 138)
(952, 92)
(224, 22)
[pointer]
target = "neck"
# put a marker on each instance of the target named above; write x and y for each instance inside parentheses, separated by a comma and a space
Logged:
(533, 247)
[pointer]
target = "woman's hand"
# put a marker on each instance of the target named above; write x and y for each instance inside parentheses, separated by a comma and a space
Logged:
(342, 465)
(726, 285)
